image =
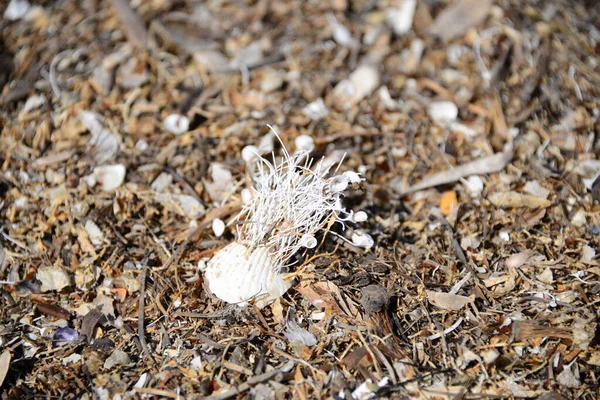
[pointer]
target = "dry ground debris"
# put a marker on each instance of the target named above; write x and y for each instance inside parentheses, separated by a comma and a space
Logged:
(476, 126)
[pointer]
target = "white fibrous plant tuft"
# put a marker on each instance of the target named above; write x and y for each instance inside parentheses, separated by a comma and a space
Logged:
(288, 203)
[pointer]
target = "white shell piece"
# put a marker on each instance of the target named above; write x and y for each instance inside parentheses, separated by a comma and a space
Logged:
(362, 239)
(218, 227)
(360, 216)
(442, 111)
(359, 84)
(308, 241)
(400, 18)
(249, 153)
(95, 235)
(353, 177)
(304, 142)
(236, 275)
(176, 123)
(338, 184)
(108, 177)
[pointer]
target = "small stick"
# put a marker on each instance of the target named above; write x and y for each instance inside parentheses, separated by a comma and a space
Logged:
(141, 303)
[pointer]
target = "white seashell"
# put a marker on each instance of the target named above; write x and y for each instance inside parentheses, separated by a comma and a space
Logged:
(353, 177)
(308, 241)
(360, 216)
(442, 111)
(249, 153)
(304, 143)
(176, 123)
(237, 275)
(218, 227)
(108, 177)
(362, 239)
(338, 184)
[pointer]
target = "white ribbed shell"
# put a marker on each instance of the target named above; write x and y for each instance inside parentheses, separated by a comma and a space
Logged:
(236, 275)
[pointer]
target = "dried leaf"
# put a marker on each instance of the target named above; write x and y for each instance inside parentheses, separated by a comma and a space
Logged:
(448, 301)
(514, 199)
(459, 17)
(4, 364)
(53, 278)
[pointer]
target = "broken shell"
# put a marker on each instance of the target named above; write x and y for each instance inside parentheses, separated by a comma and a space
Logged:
(218, 227)
(338, 184)
(108, 177)
(236, 274)
(176, 123)
(304, 143)
(359, 84)
(362, 239)
(353, 177)
(308, 241)
(400, 18)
